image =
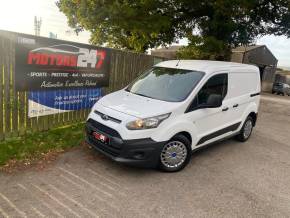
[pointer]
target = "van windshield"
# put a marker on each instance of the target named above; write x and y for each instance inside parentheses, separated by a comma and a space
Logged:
(166, 84)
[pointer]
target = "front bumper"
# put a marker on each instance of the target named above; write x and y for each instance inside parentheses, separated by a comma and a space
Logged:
(137, 152)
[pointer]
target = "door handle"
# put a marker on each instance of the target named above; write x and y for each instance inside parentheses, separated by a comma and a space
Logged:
(236, 105)
(225, 109)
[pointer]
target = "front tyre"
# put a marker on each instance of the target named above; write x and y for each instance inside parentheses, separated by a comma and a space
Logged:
(246, 130)
(175, 154)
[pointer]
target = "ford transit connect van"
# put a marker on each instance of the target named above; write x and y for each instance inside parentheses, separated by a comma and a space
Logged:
(173, 109)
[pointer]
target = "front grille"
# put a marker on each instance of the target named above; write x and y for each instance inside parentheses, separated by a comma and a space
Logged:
(107, 116)
(105, 129)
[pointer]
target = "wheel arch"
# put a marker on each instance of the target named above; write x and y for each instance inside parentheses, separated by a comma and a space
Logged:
(184, 128)
(254, 116)
(185, 134)
(252, 110)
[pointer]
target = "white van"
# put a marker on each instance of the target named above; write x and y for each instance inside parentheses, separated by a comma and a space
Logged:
(174, 108)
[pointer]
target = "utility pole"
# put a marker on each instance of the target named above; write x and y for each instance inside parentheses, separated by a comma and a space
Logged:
(37, 25)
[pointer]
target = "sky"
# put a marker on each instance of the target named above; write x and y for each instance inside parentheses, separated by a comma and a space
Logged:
(18, 16)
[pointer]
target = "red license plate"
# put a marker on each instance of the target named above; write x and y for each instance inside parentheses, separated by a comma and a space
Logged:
(100, 137)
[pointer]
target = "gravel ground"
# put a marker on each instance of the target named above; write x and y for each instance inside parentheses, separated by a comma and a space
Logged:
(228, 179)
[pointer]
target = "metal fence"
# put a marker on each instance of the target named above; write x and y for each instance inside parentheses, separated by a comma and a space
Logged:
(14, 120)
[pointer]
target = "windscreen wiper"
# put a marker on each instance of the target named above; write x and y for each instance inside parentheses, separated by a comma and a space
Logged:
(142, 95)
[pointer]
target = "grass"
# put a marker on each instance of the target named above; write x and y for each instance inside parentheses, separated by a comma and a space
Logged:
(33, 145)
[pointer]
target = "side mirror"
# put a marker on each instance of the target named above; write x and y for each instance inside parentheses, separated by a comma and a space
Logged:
(214, 101)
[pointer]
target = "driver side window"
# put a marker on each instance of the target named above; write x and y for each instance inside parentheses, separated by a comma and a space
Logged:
(217, 84)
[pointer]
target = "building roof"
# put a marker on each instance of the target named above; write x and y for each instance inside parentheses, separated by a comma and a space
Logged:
(172, 48)
(246, 48)
(204, 65)
(166, 52)
(255, 54)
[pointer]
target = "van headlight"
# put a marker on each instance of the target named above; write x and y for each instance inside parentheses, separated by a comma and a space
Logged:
(147, 123)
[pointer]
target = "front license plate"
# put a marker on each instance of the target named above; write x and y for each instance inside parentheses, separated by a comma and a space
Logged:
(100, 137)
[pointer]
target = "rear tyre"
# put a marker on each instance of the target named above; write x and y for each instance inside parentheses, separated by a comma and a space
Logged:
(175, 154)
(246, 130)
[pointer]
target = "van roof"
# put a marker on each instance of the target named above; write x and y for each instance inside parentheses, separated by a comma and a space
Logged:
(205, 65)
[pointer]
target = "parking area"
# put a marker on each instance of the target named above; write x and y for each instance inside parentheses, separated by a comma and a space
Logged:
(228, 179)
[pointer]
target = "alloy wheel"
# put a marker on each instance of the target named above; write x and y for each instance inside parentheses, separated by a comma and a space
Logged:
(173, 154)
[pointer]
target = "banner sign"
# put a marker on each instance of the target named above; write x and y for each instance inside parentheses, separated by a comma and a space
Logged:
(46, 64)
(42, 103)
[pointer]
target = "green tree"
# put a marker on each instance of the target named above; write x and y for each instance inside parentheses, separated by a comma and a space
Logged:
(213, 27)
(124, 24)
(223, 24)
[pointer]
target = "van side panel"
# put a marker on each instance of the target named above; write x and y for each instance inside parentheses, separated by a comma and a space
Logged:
(243, 97)
(244, 90)
(243, 84)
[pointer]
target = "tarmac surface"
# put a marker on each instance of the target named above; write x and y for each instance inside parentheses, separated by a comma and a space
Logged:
(227, 179)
